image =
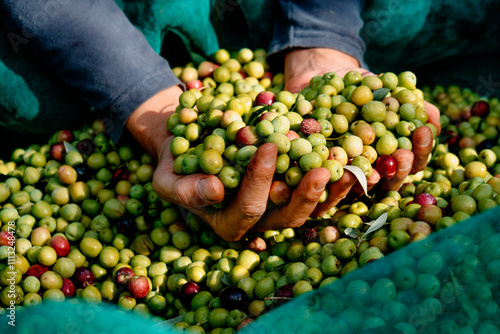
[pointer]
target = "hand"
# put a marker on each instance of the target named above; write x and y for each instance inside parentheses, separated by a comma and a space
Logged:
(197, 192)
(303, 64)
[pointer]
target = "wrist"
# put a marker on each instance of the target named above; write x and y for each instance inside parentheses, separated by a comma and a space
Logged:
(303, 64)
(311, 57)
(148, 122)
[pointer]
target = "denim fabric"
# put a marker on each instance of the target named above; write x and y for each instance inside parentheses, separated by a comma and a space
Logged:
(95, 49)
(332, 24)
(243, 23)
(92, 46)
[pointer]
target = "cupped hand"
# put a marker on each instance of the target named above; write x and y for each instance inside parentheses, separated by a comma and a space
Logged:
(303, 64)
(197, 192)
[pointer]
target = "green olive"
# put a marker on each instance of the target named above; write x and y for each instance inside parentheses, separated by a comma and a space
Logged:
(90, 247)
(91, 295)
(65, 267)
(53, 295)
(47, 256)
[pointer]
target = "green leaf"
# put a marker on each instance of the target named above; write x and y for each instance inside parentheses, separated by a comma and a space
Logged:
(295, 104)
(268, 299)
(225, 279)
(380, 93)
(360, 176)
(463, 299)
(352, 232)
(175, 320)
(376, 224)
(256, 114)
(25, 206)
(68, 147)
(336, 138)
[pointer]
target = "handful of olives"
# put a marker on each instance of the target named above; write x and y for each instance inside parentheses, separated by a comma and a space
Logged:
(331, 123)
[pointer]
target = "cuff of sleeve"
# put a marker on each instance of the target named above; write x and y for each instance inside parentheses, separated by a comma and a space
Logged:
(318, 39)
(132, 98)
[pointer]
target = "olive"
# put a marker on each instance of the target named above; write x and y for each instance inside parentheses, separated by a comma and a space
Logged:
(233, 298)
(126, 225)
(83, 172)
(486, 144)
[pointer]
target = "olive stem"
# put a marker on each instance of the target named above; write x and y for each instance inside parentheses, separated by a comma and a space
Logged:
(336, 138)
(202, 88)
(278, 298)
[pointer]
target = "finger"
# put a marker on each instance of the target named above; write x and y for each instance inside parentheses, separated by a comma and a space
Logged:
(370, 182)
(189, 191)
(251, 200)
(404, 162)
(373, 179)
(365, 73)
(302, 203)
(422, 147)
(433, 115)
(337, 191)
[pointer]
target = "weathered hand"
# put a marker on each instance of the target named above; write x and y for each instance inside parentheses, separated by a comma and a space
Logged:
(303, 64)
(197, 192)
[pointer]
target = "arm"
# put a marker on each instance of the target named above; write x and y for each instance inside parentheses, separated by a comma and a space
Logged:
(322, 36)
(329, 24)
(318, 36)
(68, 36)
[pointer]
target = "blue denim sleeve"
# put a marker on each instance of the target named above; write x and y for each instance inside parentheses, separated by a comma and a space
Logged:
(334, 24)
(95, 49)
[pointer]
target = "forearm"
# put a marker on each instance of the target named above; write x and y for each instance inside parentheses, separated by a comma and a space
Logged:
(319, 24)
(93, 47)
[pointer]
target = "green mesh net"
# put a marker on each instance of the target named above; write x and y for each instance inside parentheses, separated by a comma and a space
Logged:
(446, 283)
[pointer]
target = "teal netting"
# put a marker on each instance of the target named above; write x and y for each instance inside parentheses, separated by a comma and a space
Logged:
(446, 283)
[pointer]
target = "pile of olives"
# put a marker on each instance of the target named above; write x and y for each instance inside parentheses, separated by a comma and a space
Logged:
(88, 227)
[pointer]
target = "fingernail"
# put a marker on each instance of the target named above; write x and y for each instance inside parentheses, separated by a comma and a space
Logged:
(268, 159)
(425, 140)
(206, 190)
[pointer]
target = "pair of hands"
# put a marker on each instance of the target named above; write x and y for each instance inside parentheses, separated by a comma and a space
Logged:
(248, 210)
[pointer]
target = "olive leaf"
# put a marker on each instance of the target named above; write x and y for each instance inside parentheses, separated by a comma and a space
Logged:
(463, 299)
(352, 232)
(336, 138)
(25, 206)
(175, 320)
(69, 147)
(376, 224)
(297, 99)
(225, 279)
(256, 114)
(379, 94)
(268, 299)
(360, 176)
